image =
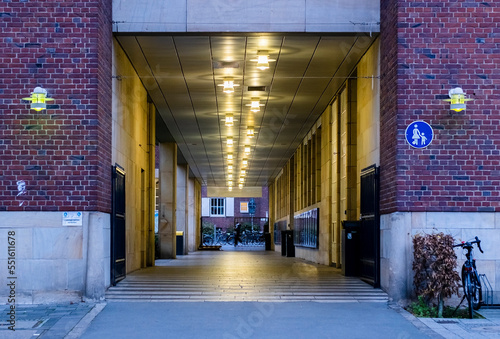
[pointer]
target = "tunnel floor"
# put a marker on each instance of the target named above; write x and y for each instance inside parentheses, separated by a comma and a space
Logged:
(241, 274)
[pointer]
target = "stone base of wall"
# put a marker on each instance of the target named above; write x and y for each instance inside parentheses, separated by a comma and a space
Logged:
(397, 230)
(55, 263)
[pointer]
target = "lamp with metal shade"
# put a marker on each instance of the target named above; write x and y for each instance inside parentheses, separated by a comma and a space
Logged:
(38, 99)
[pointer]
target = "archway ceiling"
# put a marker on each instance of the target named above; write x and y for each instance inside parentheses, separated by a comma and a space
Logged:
(182, 74)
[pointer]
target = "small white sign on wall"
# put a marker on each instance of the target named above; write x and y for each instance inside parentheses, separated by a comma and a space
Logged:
(72, 219)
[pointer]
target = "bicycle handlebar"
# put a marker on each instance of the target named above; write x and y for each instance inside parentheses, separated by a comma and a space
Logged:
(478, 242)
(469, 244)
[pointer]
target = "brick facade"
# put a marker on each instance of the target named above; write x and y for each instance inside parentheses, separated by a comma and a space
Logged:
(262, 207)
(427, 48)
(64, 153)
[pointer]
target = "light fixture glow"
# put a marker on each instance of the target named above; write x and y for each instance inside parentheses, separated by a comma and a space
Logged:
(250, 132)
(229, 168)
(229, 141)
(38, 99)
(230, 183)
(243, 172)
(255, 105)
(247, 149)
(228, 85)
(244, 162)
(230, 157)
(240, 186)
(262, 60)
(242, 180)
(230, 188)
(230, 176)
(229, 120)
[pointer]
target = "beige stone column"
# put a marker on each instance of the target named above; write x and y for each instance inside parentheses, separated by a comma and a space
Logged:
(181, 203)
(191, 215)
(151, 194)
(168, 200)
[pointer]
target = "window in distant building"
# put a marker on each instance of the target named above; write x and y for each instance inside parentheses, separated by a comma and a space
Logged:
(217, 207)
(244, 207)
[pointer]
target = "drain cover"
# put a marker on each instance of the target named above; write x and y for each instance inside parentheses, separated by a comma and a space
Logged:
(446, 321)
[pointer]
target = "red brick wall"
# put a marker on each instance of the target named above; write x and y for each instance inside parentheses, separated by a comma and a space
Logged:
(441, 44)
(64, 153)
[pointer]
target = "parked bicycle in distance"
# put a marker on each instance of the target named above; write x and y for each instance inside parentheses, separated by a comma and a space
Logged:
(470, 278)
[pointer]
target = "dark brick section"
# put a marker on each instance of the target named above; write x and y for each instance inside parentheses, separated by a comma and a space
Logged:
(427, 48)
(388, 104)
(64, 153)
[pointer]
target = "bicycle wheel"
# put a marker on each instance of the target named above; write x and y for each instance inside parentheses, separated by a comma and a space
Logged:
(468, 290)
(477, 295)
(207, 240)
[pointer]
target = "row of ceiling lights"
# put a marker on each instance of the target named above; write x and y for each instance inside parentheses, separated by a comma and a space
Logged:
(228, 86)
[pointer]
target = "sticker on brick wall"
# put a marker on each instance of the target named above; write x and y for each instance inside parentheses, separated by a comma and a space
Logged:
(419, 134)
(21, 192)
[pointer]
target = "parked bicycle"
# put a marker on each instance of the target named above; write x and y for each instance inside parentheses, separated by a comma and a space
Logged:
(470, 278)
(221, 238)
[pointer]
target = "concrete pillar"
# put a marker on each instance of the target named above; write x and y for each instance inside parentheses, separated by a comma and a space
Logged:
(168, 200)
(181, 203)
(191, 216)
(150, 239)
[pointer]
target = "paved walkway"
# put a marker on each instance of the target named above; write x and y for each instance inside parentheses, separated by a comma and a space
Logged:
(239, 294)
(241, 275)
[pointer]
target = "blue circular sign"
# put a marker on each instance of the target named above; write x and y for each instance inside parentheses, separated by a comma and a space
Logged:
(419, 134)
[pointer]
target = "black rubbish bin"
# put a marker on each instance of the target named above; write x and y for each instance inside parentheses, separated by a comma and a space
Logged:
(290, 247)
(179, 243)
(287, 246)
(267, 240)
(283, 243)
(351, 248)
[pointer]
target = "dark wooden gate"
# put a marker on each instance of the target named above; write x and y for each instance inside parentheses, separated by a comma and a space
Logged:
(118, 267)
(370, 226)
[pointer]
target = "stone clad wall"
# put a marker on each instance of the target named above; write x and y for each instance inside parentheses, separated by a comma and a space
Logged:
(245, 16)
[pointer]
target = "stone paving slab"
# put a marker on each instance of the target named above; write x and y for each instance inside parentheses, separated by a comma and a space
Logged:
(43, 321)
(250, 320)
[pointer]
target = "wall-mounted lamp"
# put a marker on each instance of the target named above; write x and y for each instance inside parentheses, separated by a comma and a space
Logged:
(38, 99)
(457, 99)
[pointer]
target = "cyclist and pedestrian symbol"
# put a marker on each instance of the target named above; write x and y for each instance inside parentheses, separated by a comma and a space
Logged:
(419, 134)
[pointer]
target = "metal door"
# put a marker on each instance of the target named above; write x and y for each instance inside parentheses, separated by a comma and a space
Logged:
(118, 267)
(370, 226)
